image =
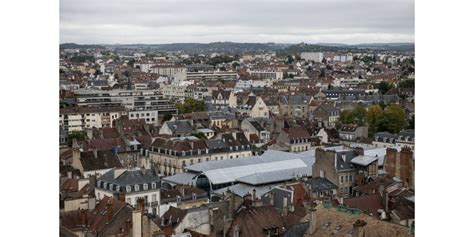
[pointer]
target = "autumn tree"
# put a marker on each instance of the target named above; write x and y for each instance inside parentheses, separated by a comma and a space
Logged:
(191, 105)
(393, 119)
(374, 117)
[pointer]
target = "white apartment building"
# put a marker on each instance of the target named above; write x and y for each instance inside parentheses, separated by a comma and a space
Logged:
(343, 58)
(314, 56)
(215, 75)
(173, 70)
(80, 118)
(146, 104)
(266, 73)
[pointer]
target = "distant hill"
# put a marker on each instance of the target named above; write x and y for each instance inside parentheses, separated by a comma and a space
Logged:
(229, 47)
(238, 48)
(80, 46)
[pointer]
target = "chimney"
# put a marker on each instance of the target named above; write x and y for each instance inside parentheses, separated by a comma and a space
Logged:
(91, 203)
(110, 211)
(181, 189)
(236, 231)
(89, 134)
(359, 231)
(76, 156)
(137, 223)
(231, 204)
(312, 220)
(254, 196)
(141, 205)
(83, 218)
(284, 211)
(121, 196)
(291, 206)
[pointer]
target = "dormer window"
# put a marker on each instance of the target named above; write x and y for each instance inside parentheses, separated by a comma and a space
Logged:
(104, 185)
(145, 186)
(178, 199)
(98, 183)
(153, 185)
(117, 188)
(111, 187)
(137, 187)
(129, 188)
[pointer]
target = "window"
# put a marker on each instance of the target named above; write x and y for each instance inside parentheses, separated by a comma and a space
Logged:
(153, 198)
(129, 189)
(350, 178)
(104, 185)
(117, 188)
(342, 179)
(129, 201)
(153, 185)
(347, 178)
(137, 187)
(145, 186)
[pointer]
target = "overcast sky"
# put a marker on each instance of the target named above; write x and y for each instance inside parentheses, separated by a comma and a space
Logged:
(316, 21)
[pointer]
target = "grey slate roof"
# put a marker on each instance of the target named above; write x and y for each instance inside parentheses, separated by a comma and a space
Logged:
(319, 184)
(295, 99)
(278, 195)
(179, 126)
(297, 230)
(132, 177)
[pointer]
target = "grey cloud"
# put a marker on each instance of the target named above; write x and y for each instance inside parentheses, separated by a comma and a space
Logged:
(132, 21)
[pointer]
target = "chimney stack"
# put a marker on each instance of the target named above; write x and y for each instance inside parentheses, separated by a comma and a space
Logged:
(254, 196)
(291, 206)
(284, 211)
(110, 211)
(312, 220)
(359, 231)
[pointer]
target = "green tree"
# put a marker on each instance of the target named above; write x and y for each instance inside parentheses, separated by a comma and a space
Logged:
(131, 62)
(409, 83)
(359, 115)
(289, 59)
(374, 117)
(345, 117)
(80, 136)
(385, 86)
(167, 117)
(191, 105)
(199, 135)
(393, 119)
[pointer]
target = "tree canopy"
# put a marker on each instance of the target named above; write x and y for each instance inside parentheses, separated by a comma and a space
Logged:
(385, 86)
(191, 105)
